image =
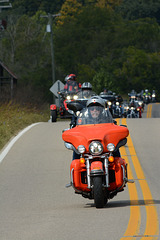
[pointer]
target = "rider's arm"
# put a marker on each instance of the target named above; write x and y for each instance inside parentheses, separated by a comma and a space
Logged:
(66, 87)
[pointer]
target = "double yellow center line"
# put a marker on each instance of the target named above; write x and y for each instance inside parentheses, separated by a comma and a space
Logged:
(149, 111)
(133, 230)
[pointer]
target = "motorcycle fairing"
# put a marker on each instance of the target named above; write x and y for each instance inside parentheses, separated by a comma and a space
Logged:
(105, 133)
(79, 173)
(116, 174)
(119, 173)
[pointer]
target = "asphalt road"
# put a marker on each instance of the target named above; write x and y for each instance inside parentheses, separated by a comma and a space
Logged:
(35, 205)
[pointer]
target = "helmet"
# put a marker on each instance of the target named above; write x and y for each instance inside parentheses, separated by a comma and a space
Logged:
(66, 78)
(71, 77)
(86, 85)
(95, 101)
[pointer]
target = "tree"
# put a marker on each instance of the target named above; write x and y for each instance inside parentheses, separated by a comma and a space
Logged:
(110, 4)
(140, 69)
(27, 52)
(137, 9)
(104, 79)
(94, 42)
(69, 10)
(30, 7)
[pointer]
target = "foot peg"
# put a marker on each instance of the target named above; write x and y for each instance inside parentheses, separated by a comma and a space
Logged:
(68, 185)
(130, 181)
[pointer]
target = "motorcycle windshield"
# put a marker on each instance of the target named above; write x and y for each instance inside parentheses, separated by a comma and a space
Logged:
(108, 97)
(85, 94)
(94, 115)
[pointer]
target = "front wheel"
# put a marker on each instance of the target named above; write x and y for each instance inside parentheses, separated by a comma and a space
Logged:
(53, 115)
(99, 198)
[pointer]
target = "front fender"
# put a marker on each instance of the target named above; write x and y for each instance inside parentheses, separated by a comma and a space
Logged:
(53, 107)
(96, 168)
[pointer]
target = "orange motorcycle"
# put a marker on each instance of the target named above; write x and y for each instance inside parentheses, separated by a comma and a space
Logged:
(97, 171)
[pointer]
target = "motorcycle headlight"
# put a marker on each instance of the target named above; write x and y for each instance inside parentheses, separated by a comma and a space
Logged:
(81, 149)
(117, 103)
(68, 98)
(75, 97)
(132, 108)
(109, 103)
(110, 147)
(153, 95)
(95, 148)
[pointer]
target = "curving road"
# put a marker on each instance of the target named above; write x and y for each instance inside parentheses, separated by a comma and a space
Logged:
(35, 205)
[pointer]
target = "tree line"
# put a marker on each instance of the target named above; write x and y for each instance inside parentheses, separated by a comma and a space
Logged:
(112, 44)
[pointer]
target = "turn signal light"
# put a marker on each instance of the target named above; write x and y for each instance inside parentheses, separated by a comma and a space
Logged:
(111, 159)
(82, 160)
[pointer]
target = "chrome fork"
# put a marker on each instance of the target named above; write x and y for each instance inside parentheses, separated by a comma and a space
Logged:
(88, 173)
(106, 171)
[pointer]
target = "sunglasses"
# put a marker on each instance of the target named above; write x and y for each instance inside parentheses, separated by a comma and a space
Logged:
(94, 108)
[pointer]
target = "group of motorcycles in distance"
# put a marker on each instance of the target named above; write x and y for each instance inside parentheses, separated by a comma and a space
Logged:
(133, 108)
(119, 108)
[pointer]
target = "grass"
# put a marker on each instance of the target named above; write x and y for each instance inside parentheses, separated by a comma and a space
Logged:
(15, 117)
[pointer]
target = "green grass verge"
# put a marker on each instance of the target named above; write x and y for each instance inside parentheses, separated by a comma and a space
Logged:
(14, 117)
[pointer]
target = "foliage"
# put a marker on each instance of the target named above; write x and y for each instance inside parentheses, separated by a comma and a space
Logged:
(101, 47)
(137, 9)
(26, 50)
(110, 4)
(112, 44)
(91, 39)
(69, 10)
(30, 7)
(140, 69)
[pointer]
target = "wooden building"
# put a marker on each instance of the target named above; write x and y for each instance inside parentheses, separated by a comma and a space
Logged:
(8, 82)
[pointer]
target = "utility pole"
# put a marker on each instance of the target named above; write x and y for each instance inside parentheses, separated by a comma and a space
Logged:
(50, 29)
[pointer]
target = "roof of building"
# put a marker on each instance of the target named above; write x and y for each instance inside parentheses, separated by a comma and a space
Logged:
(7, 69)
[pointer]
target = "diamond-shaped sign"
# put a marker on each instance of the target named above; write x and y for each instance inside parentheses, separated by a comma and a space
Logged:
(56, 87)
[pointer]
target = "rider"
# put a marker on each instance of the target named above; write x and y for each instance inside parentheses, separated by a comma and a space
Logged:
(83, 95)
(86, 86)
(147, 96)
(86, 90)
(105, 92)
(71, 84)
(95, 113)
(146, 92)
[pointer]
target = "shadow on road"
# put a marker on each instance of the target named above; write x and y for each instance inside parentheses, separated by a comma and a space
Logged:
(126, 203)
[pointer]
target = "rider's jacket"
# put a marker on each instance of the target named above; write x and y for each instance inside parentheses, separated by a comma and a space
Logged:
(72, 86)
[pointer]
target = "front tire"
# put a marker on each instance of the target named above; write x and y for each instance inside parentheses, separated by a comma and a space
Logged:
(53, 116)
(98, 192)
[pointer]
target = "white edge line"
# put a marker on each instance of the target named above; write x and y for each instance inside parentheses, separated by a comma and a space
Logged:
(9, 146)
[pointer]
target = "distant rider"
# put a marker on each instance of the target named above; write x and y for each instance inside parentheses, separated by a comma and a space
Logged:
(71, 84)
(86, 90)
